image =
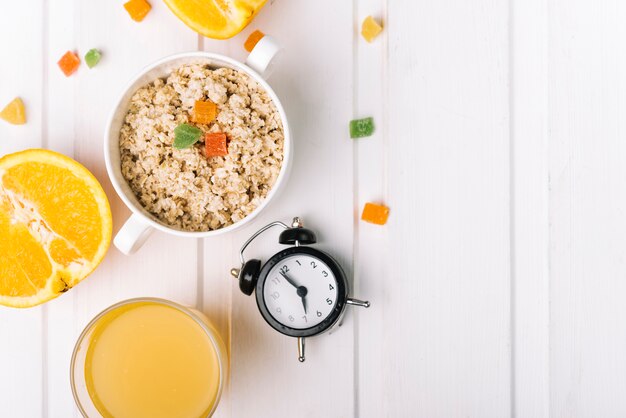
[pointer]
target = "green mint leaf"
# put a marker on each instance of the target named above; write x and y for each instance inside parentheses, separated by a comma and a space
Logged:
(186, 135)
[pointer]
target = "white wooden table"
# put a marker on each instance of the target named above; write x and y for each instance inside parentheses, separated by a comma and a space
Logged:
(497, 286)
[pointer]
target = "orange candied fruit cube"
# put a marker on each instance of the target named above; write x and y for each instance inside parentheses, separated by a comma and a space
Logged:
(204, 112)
(375, 214)
(69, 63)
(137, 9)
(253, 39)
(215, 144)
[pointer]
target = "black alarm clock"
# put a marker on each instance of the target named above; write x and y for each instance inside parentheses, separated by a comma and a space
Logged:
(300, 291)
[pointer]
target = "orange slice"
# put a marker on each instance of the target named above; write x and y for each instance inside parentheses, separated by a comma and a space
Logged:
(55, 224)
(219, 19)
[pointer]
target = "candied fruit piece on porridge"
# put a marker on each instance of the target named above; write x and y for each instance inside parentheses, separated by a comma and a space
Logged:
(215, 144)
(186, 135)
(204, 112)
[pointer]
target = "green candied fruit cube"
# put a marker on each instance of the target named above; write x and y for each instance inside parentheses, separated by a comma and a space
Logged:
(360, 128)
(92, 57)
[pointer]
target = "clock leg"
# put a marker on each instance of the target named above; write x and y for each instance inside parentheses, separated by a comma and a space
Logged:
(356, 302)
(301, 349)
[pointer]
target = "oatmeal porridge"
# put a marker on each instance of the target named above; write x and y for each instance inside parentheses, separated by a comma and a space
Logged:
(186, 188)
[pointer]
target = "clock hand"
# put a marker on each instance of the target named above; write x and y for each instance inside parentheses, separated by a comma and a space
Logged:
(302, 291)
(291, 282)
(304, 304)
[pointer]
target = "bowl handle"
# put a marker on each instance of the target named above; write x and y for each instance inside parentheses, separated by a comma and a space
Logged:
(263, 56)
(132, 235)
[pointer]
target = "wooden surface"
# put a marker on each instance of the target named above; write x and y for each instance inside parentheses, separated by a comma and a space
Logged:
(497, 286)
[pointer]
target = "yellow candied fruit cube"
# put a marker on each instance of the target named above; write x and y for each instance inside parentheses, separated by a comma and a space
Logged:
(375, 214)
(370, 29)
(14, 112)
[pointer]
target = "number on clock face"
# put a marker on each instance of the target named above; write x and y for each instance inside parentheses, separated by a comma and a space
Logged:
(286, 303)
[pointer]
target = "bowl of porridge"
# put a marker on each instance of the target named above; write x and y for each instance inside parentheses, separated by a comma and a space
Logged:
(196, 188)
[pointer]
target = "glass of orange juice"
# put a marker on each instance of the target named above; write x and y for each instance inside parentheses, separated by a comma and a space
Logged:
(151, 358)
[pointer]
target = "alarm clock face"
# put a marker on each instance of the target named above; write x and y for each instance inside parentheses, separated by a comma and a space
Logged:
(303, 289)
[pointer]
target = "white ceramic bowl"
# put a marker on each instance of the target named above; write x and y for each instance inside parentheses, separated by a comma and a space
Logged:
(141, 223)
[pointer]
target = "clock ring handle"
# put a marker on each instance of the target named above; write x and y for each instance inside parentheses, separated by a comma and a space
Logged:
(256, 234)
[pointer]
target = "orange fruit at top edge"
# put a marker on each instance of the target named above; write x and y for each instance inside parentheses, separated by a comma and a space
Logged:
(218, 19)
(55, 224)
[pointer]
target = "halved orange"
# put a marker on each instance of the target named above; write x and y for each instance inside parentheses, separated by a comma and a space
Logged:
(55, 226)
(219, 19)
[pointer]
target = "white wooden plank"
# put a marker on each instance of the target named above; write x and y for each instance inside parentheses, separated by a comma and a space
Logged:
(372, 258)
(529, 203)
(21, 73)
(214, 279)
(21, 362)
(588, 244)
(267, 380)
(61, 114)
(220, 252)
(216, 297)
(446, 300)
(78, 111)
(21, 332)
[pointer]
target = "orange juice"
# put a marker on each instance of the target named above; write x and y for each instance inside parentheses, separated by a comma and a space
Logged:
(150, 359)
